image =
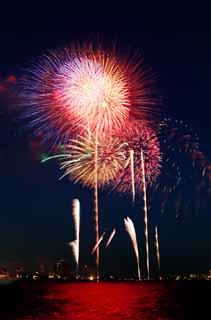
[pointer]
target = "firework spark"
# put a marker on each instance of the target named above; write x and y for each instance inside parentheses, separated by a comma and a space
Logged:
(132, 174)
(180, 149)
(76, 221)
(110, 237)
(157, 247)
(129, 226)
(98, 243)
(145, 212)
(178, 136)
(96, 208)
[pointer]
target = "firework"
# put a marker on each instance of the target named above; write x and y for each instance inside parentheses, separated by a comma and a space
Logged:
(178, 143)
(93, 164)
(98, 243)
(76, 87)
(178, 136)
(110, 237)
(145, 212)
(141, 168)
(76, 221)
(130, 159)
(132, 174)
(74, 249)
(70, 90)
(180, 164)
(129, 226)
(157, 247)
(79, 160)
(139, 138)
(96, 208)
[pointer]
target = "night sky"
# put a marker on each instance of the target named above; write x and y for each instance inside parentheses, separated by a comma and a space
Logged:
(35, 224)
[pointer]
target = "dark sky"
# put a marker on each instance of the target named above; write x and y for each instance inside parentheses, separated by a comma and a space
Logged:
(35, 207)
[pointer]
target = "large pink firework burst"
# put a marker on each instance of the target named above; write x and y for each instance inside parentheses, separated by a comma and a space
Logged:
(139, 139)
(79, 86)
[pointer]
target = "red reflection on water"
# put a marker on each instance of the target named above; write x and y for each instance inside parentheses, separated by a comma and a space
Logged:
(98, 301)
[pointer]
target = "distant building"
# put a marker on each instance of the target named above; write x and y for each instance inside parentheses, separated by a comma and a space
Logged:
(42, 270)
(62, 268)
(19, 272)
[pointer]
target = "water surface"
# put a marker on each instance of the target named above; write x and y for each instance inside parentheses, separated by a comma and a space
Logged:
(112, 301)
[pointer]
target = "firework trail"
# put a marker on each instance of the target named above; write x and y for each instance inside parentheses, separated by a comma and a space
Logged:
(206, 169)
(129, 226)
(132, 175)
(98, 243)
(74, 249)
(96, 207)
(76, 221)
(110, 237)
(145, 213)
(157, 247)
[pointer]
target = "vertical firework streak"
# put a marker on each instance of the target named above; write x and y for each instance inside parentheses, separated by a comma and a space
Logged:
(145, 214)
(76, 221)
(129, 226)
(96, 213)
(132, 174)
(157, 247)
